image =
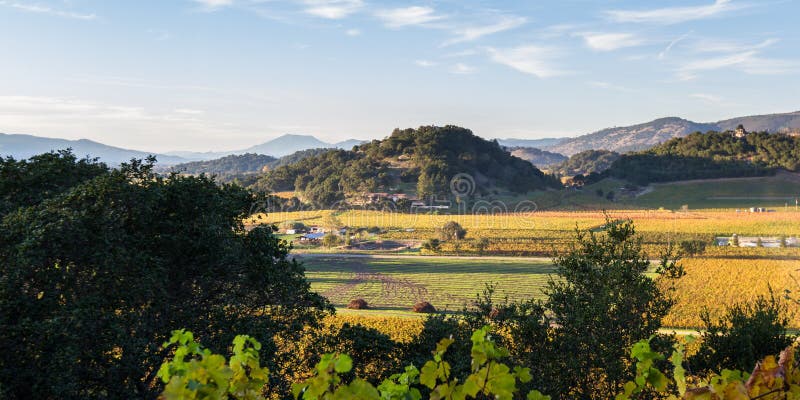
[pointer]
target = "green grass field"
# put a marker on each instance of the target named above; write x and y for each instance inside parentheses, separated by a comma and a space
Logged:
(394, 285)
(772, 192)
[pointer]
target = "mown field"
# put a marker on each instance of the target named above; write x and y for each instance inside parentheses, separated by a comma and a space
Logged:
(776, 191)
(396, 284)
(392, 285)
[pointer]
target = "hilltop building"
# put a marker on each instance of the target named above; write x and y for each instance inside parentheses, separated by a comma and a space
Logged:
(740, 132)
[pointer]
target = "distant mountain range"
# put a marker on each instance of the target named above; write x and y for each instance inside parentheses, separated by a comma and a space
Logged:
(278, 147)
(25, 146)
(644, 136)
(619, 139)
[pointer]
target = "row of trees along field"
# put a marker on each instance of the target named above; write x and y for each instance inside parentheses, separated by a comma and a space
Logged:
(98, 266)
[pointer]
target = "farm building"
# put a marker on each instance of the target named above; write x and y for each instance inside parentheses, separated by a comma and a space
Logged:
(312, 237)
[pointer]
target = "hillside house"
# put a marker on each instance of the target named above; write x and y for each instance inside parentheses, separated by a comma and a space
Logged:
(740, 132)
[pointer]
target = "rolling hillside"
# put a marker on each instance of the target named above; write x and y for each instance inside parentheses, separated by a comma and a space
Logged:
(646, 135)
(632, 138)
(537, 157)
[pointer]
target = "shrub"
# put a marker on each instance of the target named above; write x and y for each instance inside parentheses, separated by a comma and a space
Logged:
(481, 245)
(357, 304)
(452, 231)
(693, 247)
(424, 307)
(745, 333)
(331, 240)
(432, 245)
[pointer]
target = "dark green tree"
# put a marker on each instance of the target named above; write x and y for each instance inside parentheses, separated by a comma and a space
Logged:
(600, 305)
(26, 183)
(93, 279)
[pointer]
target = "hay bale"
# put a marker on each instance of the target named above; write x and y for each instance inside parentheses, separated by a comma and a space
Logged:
(424, 307)
(357, 304)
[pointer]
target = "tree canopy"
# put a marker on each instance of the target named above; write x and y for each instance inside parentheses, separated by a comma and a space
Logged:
(93, 276)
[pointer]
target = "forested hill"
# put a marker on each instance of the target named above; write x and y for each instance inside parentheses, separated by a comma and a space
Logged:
(427, 158)
(228, 165)
(242, 167)
(710, 155)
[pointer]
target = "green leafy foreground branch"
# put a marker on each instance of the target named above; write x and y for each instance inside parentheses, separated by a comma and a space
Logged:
(196, 373)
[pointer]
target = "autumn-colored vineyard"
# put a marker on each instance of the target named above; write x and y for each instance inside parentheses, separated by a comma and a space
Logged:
(714, 283)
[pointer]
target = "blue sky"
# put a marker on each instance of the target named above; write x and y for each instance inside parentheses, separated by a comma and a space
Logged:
(164, 75)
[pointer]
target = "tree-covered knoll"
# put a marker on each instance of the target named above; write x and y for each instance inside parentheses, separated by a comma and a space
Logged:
(324, 179)
(429, 156)
(710, 155)
(242, 168)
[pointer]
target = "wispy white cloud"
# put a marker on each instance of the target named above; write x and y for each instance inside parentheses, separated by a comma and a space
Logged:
(709, 98)
(675, 15)
(672, 44)
(728, 46)
(425, 63)
(609, 86)
(471, 33)
(43, 9)
(531, 59)
(610, 41)
(408, 16)
(131, 126)
(212, 5)
(462, 53)
(462, 69)
(746, 58)
(558, 30)
(332, 9)
(352, 32)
